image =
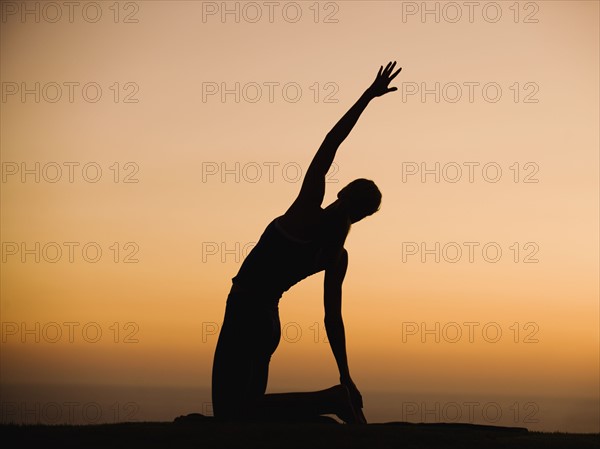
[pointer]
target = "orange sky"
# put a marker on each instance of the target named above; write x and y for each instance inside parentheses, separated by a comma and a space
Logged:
(177, 136)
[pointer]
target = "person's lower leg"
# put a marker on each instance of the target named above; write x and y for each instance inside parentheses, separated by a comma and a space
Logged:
(334, 400)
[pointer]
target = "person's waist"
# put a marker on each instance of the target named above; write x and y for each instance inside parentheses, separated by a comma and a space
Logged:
(242, 296)
(238, 287)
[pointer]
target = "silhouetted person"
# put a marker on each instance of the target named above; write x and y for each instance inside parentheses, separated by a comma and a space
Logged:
(305, 240)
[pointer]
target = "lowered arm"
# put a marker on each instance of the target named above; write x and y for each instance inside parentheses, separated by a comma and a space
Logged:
(334, 325)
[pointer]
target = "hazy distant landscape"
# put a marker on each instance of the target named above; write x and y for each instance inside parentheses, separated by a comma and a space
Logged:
(53, 404)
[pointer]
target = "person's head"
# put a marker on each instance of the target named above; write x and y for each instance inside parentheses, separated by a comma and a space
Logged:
(360, 199)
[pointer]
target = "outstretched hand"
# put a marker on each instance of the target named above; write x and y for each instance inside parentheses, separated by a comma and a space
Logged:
(383, 79)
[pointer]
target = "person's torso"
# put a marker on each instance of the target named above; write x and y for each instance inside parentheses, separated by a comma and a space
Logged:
(280, 260)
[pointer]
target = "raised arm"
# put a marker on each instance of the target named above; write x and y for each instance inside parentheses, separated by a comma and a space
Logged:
(313, 187)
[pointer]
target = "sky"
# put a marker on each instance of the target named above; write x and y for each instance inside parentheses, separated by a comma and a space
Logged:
(146, 145)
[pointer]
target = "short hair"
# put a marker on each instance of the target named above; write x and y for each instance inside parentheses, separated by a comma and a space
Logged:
(362, 196)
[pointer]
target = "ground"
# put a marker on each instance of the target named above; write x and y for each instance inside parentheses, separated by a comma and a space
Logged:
(206, 433)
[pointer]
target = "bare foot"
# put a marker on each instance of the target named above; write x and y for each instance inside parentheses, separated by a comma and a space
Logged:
(345, 409)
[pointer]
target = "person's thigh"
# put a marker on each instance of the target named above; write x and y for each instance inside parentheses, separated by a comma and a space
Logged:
(249, 335)
(268, 334)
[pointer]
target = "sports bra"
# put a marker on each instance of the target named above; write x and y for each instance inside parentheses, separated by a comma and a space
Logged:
(278, 261)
